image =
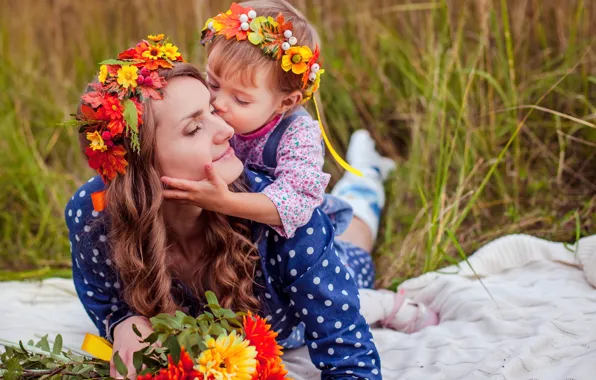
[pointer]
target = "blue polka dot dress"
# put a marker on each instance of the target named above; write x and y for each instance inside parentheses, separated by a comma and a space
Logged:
(309, 283)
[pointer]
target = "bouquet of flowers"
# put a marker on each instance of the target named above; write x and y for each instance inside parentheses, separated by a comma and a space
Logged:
(219, 344)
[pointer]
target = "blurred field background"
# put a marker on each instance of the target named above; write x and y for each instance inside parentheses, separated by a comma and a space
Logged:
(488, 105)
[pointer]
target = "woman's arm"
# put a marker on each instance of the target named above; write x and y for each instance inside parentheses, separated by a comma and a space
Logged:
(326, 298)
(96, 280)
(94, 276)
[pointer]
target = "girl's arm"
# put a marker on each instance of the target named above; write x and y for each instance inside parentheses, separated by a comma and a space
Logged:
(214, 194)
(300, 182)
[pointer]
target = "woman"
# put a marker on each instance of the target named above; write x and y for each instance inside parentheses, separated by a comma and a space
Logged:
(143, 254)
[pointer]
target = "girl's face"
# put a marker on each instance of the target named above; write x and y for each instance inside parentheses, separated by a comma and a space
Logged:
(191, 135)
(245, 108)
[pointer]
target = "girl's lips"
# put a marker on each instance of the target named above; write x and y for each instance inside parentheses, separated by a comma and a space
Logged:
(228, 153)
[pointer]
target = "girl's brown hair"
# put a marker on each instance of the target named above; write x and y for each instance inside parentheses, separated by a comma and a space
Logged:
(240, 60)
(138, 235)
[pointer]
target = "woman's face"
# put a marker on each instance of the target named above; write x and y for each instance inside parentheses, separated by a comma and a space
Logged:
(190, 135)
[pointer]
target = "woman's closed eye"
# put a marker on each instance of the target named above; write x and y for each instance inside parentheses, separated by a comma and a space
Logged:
(196, 129)
(212, 86)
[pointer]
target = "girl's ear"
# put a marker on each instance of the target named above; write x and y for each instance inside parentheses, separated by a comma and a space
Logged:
(289, 101)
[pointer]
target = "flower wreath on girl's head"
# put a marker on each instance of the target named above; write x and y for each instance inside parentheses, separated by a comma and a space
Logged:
(274, 37)
(111, 113)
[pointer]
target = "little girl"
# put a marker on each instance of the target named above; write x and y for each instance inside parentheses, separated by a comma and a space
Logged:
(263, 64)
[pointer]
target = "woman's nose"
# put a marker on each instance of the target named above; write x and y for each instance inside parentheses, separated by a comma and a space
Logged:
(224, 131)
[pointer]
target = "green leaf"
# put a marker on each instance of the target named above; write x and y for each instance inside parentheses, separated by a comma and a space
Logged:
(50, 364)
(203, 326)
(255, 38)
(227, 313)
(116, 62)
(226, 325)
(136, 331)
(202, 345)
(85, 369)
(216, 329)
(211, 298)
(23, 347)
(137, 360)
(44, 344)
(255, 24)
(120, 366)
(130, 115)
(189, 321)
(151, 339)
(57, 349)
(173, 347)
(235, 323)
(13, 365)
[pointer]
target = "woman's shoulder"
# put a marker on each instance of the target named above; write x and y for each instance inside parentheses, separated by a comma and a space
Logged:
(80, 206)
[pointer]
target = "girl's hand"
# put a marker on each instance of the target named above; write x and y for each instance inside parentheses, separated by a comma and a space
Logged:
(126, 343)
(210, 193)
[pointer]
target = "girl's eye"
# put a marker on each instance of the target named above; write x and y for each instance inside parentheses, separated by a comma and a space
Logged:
(213, 86)
(241, 102)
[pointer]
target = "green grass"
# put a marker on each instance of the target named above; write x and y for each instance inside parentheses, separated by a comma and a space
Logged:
(486, 104)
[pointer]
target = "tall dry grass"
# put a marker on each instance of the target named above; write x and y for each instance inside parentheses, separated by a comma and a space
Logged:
(487, 105)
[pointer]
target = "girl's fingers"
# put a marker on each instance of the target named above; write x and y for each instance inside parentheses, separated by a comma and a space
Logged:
(177, 183)
(176, 194)
(211, 173)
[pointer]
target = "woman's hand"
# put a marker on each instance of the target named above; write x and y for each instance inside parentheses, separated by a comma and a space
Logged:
(126, 343)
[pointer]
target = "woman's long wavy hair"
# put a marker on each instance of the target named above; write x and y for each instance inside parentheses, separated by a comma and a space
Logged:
(138, 235)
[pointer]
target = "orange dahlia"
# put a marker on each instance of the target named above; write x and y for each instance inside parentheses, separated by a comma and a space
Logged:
(258, 333)
(109, 162)
(183, 370)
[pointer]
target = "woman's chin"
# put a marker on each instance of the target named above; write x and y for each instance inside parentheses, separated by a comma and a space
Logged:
(229, 169)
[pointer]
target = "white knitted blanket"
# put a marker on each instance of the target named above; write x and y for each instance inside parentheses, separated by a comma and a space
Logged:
(536, 318)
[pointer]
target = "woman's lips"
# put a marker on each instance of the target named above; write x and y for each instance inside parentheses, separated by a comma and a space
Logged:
(227, 154)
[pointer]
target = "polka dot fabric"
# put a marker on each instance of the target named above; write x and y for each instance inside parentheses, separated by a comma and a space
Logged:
(300, 182)
(309, 286)
(95, 279)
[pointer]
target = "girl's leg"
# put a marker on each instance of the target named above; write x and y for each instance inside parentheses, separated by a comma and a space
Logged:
(366, 195)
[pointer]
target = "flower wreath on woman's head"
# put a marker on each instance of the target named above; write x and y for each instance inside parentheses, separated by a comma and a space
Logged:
(111, 112)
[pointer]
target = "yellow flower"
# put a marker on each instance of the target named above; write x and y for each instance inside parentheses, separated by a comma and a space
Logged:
(153, 52)
(157, 38)
(216, 25)
(127, 76)
(103, 73)
(228, 357)
(296, 59)
(170, 51)
(317, 82)
(96, 141)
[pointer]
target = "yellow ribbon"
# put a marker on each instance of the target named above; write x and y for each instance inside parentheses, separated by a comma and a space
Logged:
(344, 164)
(97, 347)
